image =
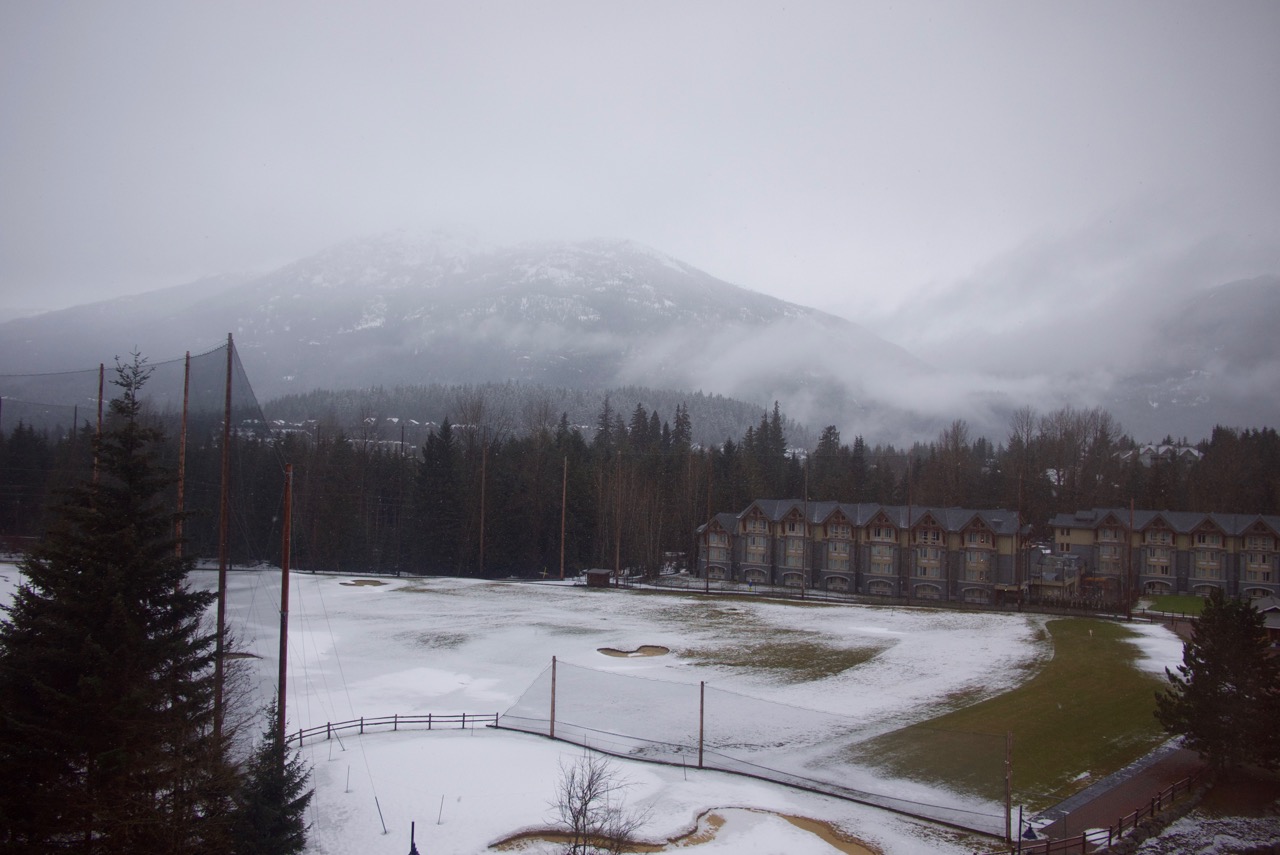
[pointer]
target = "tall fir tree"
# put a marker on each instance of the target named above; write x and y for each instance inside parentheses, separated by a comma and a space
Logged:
(1225, 697)
(106, 680)
(271, 807)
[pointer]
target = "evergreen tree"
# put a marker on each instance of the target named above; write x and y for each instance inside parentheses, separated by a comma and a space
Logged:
(439, 503)
(106, 680)
(271, 807)
(1225, 698)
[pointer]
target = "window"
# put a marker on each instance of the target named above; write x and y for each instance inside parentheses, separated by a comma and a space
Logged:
(1109, 534)
(1208, 539)
(838, 530)
(980, 538)
(928, 592)
(1158, 536)
(1259, 542)
(795, 552)
(756, 525)
(883, 533)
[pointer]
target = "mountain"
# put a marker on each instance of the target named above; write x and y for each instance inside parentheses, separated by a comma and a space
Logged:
(440, 309)
(399, 310)
(1216, 361)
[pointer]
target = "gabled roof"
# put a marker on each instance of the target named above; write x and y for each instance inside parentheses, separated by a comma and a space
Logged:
(728, 522)
(861, 514)
(1182, 522)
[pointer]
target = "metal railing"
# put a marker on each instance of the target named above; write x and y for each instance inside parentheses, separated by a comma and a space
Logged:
(1101, 839)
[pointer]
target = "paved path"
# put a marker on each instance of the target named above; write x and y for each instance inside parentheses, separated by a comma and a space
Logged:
(1101, 804)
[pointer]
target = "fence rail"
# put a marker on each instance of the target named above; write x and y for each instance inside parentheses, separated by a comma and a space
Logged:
(1100, 839)
(429, 721)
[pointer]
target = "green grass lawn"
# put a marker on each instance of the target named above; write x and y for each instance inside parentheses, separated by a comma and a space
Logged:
(1086, 714)
(1183, 604)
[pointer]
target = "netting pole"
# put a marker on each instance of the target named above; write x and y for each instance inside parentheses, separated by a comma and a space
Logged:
(1008, 785)
(102, 369)
(182, 453)
(484, 464)
(553, 698)
(564, 496)
(702, 716)
(224, 522)
(284, 590)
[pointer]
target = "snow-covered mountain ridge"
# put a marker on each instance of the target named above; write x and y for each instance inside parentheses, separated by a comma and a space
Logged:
(404, 310)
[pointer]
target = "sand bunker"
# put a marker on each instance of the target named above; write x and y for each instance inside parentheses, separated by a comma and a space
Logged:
(642, 650)
(705, 829)
(356, 583)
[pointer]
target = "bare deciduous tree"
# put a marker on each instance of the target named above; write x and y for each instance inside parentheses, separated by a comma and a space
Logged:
(592, 809)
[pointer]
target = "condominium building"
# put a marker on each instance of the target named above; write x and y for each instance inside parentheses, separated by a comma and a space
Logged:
(1172, 552)
(950, 554)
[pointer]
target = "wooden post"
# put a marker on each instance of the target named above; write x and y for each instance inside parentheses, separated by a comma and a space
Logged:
(286, 534)
(617, 540)
(552, 734)
(484, 463)
(564, 496)
(182, 453)
(1008, 785)
(224, 527)
(702, 717)
(102, 369)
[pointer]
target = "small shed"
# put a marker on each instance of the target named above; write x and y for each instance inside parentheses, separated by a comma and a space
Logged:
(1270, 609)
(598, 578)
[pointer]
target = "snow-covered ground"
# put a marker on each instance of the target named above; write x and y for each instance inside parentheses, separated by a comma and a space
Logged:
(445, 646)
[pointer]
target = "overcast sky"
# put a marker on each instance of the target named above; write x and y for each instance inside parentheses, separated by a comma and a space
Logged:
(885, 161)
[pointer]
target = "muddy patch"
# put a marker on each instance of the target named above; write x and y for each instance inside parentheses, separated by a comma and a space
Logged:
(362, 583)
(642, 650)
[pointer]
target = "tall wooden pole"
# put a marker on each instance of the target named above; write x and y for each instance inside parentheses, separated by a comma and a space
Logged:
(484, 464)
(102, 369)
(804, 534)
(182, 453)
(224, 527)
(1008, 785)
(617, 524)
(1128, 564)
(564, 505)
(285, 536)
(552, 733)
(702, 717)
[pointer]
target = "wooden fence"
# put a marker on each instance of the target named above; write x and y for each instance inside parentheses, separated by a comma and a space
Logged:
(430, 721)
(1100, 839)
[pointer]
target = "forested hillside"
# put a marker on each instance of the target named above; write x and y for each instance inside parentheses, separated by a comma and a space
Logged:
(479, 497)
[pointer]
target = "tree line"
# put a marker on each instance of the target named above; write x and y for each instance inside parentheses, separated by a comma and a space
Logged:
(481, 497)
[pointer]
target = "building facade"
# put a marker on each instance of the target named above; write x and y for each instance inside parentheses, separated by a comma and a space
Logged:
(945, 554)
(1163, 552)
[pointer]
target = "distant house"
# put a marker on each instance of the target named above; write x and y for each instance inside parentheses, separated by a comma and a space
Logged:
(598, 578)
(946, 554)
(1270, 609)
(1149, 454)
(1174, 552)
